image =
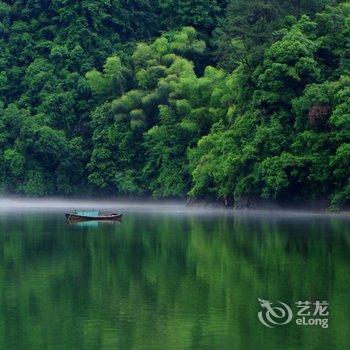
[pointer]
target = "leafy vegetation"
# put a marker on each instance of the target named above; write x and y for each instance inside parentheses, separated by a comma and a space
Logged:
(237, 101)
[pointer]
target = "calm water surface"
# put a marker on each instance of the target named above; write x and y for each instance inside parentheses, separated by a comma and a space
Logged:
(169, 281)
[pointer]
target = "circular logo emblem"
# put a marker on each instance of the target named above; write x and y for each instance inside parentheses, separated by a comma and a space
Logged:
(274, 315)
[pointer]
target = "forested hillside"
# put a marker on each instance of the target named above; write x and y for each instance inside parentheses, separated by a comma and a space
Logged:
(235, 101)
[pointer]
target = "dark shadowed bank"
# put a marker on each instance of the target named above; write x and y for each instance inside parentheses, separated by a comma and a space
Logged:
(244, 103)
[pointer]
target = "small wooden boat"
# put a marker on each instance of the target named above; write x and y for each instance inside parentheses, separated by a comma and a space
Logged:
(93, 215)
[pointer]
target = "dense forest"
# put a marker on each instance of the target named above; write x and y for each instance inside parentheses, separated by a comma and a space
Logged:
(238, 101)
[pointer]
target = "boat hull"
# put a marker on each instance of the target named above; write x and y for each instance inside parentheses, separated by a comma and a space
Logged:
(106, 217)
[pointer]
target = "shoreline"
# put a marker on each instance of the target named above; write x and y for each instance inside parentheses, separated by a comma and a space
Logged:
(160, 206)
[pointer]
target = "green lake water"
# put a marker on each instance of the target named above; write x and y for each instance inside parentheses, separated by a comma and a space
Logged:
(170, 281)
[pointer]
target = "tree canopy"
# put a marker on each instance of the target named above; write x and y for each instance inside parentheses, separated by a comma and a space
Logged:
(236, 101)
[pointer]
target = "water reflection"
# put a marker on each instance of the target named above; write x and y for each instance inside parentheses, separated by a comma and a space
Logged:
(169, 282)
(92, 223)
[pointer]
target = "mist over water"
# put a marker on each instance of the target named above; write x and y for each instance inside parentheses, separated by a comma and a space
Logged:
(152, 207)
(67, 204)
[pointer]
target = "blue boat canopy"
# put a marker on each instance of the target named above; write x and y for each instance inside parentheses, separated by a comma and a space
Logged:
(92, 213)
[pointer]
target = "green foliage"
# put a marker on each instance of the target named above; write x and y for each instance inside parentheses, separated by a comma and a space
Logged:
(113, 81)
(141, 138)
(248, 106)
(249, 27)
(291, 144)
(52, 72)
(37, 159)
(202, 14)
